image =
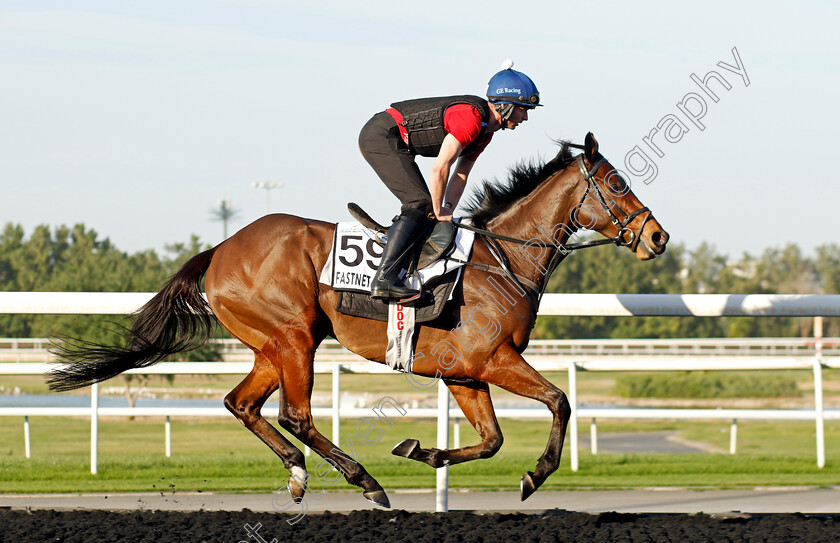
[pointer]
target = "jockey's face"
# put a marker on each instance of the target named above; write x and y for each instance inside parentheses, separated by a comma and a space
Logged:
(519, 115)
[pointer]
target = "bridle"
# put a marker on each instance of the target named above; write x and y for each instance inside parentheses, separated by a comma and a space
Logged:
(621, 224)
(606, 202)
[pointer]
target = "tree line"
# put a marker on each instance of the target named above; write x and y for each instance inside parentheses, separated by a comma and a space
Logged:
(76, 259)
(66, 259)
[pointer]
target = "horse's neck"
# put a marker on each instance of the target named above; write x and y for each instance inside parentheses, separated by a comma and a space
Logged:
(544, 216)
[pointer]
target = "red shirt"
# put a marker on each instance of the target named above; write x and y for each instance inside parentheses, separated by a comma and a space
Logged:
(462, 121)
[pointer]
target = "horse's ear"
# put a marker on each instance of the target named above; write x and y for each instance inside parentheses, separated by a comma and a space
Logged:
(590, 145)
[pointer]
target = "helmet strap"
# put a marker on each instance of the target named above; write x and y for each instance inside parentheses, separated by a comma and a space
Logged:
(505, 110)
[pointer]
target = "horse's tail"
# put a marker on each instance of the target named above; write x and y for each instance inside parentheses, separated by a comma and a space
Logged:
(177, 319)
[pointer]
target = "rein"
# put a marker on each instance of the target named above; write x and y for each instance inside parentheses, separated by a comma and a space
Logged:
(563, 250)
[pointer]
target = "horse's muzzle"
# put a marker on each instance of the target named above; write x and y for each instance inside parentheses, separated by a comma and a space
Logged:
(653, 242)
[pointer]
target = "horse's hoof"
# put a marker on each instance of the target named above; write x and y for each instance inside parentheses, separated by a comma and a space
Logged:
(527, 485)
(297, 483)
(406, 448)
(378, 497)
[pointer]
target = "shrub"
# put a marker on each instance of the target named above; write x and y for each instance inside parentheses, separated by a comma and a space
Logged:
(701, 384)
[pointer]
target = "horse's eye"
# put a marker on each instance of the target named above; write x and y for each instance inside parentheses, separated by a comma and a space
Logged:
(616, 184)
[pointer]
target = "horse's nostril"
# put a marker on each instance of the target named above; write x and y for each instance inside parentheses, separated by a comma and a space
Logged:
(659, 238)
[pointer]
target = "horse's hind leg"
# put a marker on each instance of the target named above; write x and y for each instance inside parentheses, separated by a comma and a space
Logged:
(295, 370)
(474, 400)
(245, 402)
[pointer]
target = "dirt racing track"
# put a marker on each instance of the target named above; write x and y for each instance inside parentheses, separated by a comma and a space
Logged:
(590, 516)
(378, 526)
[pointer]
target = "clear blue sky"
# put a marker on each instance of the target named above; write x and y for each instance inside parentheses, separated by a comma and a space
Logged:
(135, 118)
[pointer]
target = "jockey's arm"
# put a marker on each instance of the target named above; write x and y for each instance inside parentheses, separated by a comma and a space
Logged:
(450, 150)
(457, 183)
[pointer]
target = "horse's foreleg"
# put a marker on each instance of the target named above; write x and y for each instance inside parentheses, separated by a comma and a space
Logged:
(245, 402)
(474, 400)
(508, 370)
(296, 378)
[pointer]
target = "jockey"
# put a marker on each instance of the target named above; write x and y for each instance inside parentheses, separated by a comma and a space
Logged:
(454, 130)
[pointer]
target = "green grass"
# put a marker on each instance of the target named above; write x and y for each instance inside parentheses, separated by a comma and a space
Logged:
(704, 384)
(220, 455)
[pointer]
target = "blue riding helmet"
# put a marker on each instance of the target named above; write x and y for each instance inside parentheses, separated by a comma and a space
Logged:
(509, 88)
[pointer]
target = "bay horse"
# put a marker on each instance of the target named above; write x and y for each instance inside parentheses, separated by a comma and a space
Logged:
(262, 285)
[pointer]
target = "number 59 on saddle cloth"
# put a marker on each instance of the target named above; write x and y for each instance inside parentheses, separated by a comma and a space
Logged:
(355, 257)
(350, 268)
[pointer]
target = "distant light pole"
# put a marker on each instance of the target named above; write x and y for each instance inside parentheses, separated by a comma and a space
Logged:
(267, 185)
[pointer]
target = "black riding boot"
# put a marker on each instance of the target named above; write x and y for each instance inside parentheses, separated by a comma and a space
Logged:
(387, 283)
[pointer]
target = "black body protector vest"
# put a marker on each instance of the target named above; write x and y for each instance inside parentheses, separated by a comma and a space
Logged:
(423, 119)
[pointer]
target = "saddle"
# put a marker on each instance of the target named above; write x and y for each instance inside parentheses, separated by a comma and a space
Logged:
(437, 241)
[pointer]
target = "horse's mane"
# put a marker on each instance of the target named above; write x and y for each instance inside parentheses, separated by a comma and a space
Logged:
(523, 178)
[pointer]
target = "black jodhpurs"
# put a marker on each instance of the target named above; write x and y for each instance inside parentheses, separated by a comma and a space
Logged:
(391, 159)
